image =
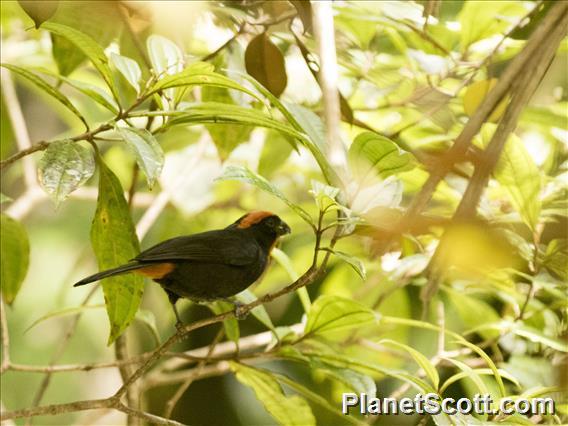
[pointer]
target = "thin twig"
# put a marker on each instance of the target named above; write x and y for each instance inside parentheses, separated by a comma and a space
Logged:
(494, 97)
(211, 55)
(552, 31)
(322, 23)
(5, 337)
(19, 126)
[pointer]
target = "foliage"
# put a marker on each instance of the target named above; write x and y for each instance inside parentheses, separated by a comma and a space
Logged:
(158, 121)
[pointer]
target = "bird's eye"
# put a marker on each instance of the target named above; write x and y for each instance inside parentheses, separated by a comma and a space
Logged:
(271, 222)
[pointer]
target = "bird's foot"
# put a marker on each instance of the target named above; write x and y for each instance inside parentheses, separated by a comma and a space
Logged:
(241, 312)
(179, 325)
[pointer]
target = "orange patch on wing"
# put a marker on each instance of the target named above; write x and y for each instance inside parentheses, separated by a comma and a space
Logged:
(252, 218)
(157, 270)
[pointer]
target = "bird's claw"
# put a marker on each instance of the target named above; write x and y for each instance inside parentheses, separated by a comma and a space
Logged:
(179, 325)
(241, 312)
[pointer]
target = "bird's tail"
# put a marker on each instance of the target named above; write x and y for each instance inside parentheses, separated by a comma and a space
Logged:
(109, 273)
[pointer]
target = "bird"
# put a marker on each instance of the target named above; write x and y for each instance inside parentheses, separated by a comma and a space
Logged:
(207, 266)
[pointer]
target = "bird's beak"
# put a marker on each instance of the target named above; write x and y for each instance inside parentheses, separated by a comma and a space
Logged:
(283, 229)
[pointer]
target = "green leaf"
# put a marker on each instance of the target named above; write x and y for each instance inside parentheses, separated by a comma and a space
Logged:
(488, 360)
(357, 382)
(420, 359)
(286, 410)
(354, 262)
(89, 47)
(97, 94)
(15, 249)
(316, 398)
(276, 150)
(225, 136)
(478, 22)
(129, 69)
(101, 21)
(517, 172)
(64, 167)
(265, 62)
(148, 152)
(309, 123)
(478, 371)
(556, 258)
(43, 85)
(537, 336)
(199, 74)
(470, 373)
(39, 11)
(285, 262)
(220, 113)
(316, 149)
(344, 361)
(165, 56)
(114, 242)
(245, 175)
(329, 313)
(372, 152)
(324, 195)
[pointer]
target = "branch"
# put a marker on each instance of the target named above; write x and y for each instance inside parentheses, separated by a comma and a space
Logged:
(524, 87)
(18, 123)
(517, 67)
(5, 337)
(43, 145)
(211, 55)
(328, 74)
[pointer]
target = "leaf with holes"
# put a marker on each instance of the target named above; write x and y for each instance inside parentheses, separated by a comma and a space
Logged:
(64, 167)
(148, 152)
(114, 242)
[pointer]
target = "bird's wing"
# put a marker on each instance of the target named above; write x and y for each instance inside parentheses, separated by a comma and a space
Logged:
(218, 247)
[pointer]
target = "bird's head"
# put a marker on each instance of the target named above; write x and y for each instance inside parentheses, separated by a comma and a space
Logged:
(262, 221)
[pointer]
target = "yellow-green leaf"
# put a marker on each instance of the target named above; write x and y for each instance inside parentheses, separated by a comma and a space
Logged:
(64, 167)
(114, 242)
(330, 313)
(476, 93)
(88, 46)
(47, 88)
(286, 410)
(371, 152)
(15, 249)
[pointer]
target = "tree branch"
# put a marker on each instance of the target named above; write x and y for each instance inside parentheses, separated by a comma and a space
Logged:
(463, 141)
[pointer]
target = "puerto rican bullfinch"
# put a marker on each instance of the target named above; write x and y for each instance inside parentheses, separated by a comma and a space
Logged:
(210, 265)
